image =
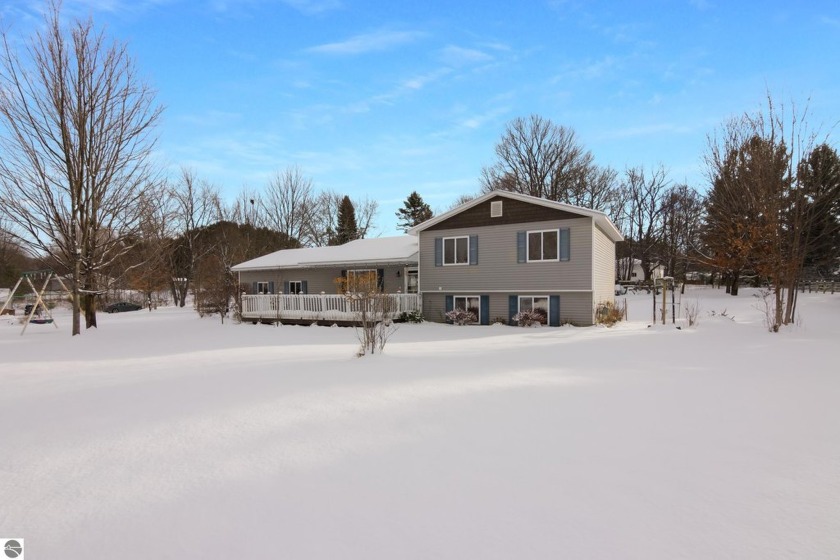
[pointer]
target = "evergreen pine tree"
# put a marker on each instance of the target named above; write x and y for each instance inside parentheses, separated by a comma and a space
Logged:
(414, 212)
(346, 230)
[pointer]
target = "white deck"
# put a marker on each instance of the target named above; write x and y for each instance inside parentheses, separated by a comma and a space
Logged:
(319, 307)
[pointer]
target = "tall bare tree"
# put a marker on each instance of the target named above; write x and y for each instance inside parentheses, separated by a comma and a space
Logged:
(645, 206)
(289, 203)
(197, 205)
(540, 158)
(77, 136)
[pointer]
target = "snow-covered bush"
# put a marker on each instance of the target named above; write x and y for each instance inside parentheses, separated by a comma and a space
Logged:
(415, 316)
(530, 318)
(461, 317)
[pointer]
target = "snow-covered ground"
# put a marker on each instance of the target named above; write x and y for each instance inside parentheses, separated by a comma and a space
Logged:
(162, 435)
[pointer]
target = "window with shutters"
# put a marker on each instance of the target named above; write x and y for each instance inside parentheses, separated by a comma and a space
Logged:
(470, 304)
(537, 304)
(295, 287)
(262, 288)
(544, 246)
(456, 250)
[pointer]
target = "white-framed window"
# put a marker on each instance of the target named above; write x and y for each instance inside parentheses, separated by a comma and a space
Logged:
(295, 287)
(362, 280)
(262, 287)
(456, 250)
(543, 246)
(535, 303)
(468, 303)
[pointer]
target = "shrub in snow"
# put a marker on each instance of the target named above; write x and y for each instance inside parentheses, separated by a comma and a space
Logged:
(461, 317)
(530, 318)
(411, 317)
(608, 313)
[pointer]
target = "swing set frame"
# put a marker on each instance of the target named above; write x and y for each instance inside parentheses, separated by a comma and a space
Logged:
(47, 275)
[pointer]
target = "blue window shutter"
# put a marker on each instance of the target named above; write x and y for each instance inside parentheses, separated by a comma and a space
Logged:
(286, 287)
(254, 288)
(304, 288)
(380, 279)
(484, 310)
(565, 249)
(520, 246)
(271, 287)
(438, 251)
(513, 308)
(448, 305)
(553, 311)
(473, 249)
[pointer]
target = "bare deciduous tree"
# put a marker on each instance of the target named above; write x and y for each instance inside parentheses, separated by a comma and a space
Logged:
(542, 159)
(645, 195)
(196, 206)
(289, 204)
(324, 222)
(77, 136)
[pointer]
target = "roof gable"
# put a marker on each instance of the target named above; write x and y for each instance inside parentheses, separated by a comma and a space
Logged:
(518, 208)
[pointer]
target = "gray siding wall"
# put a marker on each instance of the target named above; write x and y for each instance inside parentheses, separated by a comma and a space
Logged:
(321, 279)
(575, 307)
(604, 267)
(497, 269)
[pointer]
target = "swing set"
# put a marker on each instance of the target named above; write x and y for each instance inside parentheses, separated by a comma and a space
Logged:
(34, 311)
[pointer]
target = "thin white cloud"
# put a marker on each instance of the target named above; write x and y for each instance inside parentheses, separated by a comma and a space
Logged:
(701, 5)
(460, 56)
(833, 22)
(313, 7)
(368, 42)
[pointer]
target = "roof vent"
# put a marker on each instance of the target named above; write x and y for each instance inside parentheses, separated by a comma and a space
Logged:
(496, 209)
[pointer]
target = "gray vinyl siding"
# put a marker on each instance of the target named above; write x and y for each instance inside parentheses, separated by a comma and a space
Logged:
(575, 307)
(604, 268)
(498, 270)
(321, 279)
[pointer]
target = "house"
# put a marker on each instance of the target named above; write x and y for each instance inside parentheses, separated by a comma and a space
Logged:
(497, 255)
(503, 253)
(309, 284)
(636, 273)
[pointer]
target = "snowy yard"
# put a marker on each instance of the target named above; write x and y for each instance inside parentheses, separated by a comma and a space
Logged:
(168, 436)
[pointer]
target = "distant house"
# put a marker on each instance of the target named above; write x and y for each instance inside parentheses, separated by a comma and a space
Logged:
(504, 252)
(307, 284)
(635, 273)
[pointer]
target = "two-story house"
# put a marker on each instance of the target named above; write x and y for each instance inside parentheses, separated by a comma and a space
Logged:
(495, 256)
(504, 252)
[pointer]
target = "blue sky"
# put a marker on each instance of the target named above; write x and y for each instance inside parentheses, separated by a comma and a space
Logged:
(378, 99)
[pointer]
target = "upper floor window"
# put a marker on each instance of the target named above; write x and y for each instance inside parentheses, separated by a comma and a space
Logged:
(456, 250)
(548, 245)
(543, 245)
(295, 287)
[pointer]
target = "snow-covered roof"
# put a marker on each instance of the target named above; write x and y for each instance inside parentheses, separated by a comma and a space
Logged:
(599, 217)
(380, 250)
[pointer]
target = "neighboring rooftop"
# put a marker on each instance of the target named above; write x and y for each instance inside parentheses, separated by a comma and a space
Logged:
(380, 250)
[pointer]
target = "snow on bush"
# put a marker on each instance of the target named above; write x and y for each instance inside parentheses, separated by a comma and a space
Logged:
(461, 317)
(530, 318)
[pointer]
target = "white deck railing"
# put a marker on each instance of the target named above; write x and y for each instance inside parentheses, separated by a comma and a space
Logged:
(322, 307)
